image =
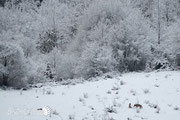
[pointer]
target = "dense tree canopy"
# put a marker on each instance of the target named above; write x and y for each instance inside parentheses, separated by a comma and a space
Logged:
(86, 38)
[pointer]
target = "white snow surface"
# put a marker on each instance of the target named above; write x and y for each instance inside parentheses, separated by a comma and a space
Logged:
(105, 99)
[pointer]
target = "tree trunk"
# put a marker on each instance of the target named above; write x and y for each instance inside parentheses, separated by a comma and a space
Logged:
(5, 77)
(159, 25)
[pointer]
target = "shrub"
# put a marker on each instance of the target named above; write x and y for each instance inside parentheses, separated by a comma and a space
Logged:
(65, 66)
(128, 57)
(35, 72)
(94, 61)
(178, 60)
(13, 70)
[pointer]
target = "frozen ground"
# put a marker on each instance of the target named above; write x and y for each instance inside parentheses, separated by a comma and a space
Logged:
(106, 99)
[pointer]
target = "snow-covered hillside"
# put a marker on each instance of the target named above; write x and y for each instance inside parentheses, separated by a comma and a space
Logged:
(105, 99)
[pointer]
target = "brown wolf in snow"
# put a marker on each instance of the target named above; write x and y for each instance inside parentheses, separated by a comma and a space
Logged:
(136, 106)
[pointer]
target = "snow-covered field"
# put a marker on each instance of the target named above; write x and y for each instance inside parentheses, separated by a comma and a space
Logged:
(105, 99)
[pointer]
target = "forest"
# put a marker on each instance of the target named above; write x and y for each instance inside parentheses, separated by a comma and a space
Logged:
(57, 40)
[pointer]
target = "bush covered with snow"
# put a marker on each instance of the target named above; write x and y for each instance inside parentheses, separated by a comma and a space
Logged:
(13, 68)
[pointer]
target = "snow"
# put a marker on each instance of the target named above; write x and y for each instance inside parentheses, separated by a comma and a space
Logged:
(92, 100)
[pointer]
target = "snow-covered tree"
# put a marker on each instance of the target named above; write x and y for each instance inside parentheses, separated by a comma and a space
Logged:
(13, 69)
